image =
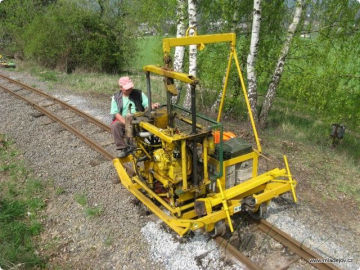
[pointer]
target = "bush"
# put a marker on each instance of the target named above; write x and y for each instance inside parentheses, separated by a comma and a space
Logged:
(69, 36)
(14, 16)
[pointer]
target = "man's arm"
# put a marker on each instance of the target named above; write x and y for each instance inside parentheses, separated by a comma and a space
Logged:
(120, 118)
(115, 111)
(145, 102)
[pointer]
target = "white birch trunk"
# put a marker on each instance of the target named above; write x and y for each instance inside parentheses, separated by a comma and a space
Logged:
(251, 59)
(271, 92)
(180, 32)
(218, 99)
(192, 11)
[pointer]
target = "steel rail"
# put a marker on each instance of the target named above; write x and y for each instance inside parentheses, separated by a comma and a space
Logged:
(236, 253)
(294, 245)
(76, 132)
(77, 111)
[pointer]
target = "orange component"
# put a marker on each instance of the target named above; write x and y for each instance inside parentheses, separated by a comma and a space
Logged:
(227, 135)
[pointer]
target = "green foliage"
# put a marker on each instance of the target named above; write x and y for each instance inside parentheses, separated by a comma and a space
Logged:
(14, 16)
(69, 36)
(218, 16)
(148, 17)
(321, 73)
(322, 78)
(21, 198)
(274, 20)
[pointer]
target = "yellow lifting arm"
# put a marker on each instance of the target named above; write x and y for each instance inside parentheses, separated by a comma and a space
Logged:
(186, 78)
(168, 43)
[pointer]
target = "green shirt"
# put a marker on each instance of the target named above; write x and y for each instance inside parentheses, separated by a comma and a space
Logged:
(126, 101)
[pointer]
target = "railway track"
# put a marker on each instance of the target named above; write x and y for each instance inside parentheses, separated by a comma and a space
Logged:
(66, 115)
(94, 133)
(295, 246)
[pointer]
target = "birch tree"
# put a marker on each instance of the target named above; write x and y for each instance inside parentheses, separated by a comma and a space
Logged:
(251, 59)
(192, 12)
(180, 32)
(274, 83)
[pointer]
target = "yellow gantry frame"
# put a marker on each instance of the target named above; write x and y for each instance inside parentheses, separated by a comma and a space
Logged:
(200, 41)
(262, 187)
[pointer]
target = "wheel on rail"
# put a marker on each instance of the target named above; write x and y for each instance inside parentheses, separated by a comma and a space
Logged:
(219, 229)
(260, 213)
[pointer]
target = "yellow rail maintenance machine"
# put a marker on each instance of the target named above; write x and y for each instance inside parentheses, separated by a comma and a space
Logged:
(182, 169)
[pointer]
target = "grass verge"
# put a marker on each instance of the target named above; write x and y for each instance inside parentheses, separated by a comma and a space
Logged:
(22, 197)
(330, 171)
(91, 83)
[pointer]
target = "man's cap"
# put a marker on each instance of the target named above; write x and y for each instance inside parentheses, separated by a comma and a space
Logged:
(126, 83)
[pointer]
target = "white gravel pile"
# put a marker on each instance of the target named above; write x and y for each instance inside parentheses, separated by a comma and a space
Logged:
(199, 252)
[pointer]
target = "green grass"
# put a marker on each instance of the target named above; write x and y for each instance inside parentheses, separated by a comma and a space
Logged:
(21, 200)
(89, 211)
(309, 129)
(48, 75)
(59, 191)
(94, 83)
(149, 52)
(305, 139)
(93, 211)
(81, 199)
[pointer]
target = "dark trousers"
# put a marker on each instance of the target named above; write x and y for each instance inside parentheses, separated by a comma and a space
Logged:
(118, 131)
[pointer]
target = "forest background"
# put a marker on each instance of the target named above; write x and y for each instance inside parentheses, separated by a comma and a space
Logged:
(320, 83)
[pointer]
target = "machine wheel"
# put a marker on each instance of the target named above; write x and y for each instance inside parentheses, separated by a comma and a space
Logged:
(220, 229)
(260, 213)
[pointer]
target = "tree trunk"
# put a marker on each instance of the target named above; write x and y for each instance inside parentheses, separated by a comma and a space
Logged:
(251, 59)
(192, 49)
(218, 99)
(180, 32)
(274, 83)
(102, 7)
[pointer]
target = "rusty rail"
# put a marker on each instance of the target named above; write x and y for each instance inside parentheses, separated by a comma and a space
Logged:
(77, 111)
(295, 246)
(52, 116)
(236, 253)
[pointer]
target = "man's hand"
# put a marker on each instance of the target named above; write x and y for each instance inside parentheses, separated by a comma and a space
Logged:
(120, 118)
(155, 106)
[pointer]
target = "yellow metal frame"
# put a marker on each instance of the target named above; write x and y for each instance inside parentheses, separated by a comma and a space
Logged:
(271, 183)
(183, 218)
(186, 78)
(168, 43)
